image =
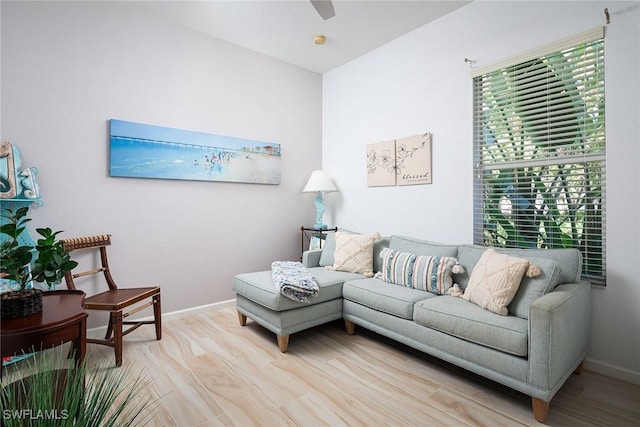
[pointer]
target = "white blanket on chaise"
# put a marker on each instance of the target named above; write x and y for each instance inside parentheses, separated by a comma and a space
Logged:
(292, 280)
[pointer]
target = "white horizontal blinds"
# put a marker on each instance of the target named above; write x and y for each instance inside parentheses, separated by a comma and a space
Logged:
(539, 152)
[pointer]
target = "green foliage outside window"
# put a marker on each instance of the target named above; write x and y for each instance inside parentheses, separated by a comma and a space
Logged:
(540, 155)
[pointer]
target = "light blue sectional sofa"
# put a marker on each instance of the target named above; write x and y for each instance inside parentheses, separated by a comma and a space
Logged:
(534, 349)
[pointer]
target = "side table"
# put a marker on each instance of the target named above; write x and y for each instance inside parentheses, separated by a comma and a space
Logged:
(62, 319)
(308, 233)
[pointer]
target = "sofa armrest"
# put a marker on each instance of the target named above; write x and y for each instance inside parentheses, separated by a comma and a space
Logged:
(559, 334)
(311, 258)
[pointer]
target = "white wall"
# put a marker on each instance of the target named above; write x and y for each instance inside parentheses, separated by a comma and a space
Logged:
(420, 83)
(67, 68)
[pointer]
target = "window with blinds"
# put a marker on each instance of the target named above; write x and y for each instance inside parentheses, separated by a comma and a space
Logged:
(539, 154)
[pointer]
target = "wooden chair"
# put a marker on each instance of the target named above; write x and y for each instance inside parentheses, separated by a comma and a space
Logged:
(114, 300)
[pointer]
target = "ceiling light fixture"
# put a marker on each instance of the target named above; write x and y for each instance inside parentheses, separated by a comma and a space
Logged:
(320, 39)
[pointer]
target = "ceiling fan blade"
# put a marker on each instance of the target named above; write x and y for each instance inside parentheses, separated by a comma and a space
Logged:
(324, 8)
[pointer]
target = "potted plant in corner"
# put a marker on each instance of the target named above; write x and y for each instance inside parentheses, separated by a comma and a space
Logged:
(50, 389)
(22, 266)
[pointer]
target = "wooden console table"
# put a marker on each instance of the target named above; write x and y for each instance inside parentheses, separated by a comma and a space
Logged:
(62, 319)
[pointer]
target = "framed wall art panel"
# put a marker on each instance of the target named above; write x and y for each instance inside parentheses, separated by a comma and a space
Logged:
(413, 160)
(405, 161)
(381, 171)
(145, 151)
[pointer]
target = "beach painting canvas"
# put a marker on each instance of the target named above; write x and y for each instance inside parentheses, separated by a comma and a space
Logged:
(145, 151)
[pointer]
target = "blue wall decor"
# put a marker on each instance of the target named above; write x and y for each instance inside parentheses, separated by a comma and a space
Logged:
(146, 151)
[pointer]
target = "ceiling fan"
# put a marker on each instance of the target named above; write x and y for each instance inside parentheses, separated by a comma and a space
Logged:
(324, 8)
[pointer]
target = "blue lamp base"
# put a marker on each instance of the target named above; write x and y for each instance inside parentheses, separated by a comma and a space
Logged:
(319, 202)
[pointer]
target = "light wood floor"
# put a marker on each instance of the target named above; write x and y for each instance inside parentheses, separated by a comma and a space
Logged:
(209, 371)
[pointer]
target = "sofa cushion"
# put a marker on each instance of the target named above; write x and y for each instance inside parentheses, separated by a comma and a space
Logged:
(532, 288)
(422, 272)
(569, 261)
(379, 295)
(465, 320)
(329, 247)
(354, 253)
(259, 288)
(422, 247)
(495, 280)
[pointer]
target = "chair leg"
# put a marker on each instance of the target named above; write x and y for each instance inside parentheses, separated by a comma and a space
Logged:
(116, 321)
(157, 316)
(109, 331)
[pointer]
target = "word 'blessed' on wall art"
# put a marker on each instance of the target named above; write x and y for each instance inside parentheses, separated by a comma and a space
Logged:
(405, 161)
(146, 151)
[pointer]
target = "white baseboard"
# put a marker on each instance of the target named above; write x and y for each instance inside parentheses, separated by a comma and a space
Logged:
(101, 330)
(612, 371)
(196, 310)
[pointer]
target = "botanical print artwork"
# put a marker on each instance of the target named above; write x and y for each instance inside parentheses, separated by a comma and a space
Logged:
(405, 161)
(413, 160)
(381, 164)
(146, 151)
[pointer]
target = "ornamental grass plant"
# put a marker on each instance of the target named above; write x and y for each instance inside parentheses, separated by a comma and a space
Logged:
(50, 389)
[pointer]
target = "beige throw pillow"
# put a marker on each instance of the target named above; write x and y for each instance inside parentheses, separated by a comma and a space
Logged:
(354, 253)
(495, 280)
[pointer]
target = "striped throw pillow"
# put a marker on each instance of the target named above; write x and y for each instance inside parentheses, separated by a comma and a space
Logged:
(423, 272)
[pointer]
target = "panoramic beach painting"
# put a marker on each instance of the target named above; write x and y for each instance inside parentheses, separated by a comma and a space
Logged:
(147, 151)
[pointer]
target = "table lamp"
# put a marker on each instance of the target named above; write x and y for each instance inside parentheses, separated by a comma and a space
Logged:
(319, 182)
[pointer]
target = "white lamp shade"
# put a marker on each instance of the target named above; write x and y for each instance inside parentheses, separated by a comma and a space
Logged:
(319, 181)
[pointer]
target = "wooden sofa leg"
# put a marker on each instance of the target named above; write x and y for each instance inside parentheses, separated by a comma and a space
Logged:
(578, 370)
(283, 342)
(350, 327)
(242, 319)
(540, 409)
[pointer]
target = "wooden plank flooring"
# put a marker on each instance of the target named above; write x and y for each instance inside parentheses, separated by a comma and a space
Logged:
(209, 371)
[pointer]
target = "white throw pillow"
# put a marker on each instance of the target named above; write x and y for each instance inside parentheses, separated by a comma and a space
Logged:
(495, 280)
(354, 253)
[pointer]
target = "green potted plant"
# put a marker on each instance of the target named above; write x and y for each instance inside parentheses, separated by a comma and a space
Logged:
(51, 261)
(21, 265)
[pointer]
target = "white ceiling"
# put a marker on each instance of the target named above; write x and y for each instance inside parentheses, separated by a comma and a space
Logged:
(285, 29)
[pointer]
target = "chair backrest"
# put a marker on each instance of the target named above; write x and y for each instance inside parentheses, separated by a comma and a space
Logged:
(99, 242)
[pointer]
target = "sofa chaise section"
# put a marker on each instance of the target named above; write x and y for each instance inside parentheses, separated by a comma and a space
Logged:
(258, 300)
